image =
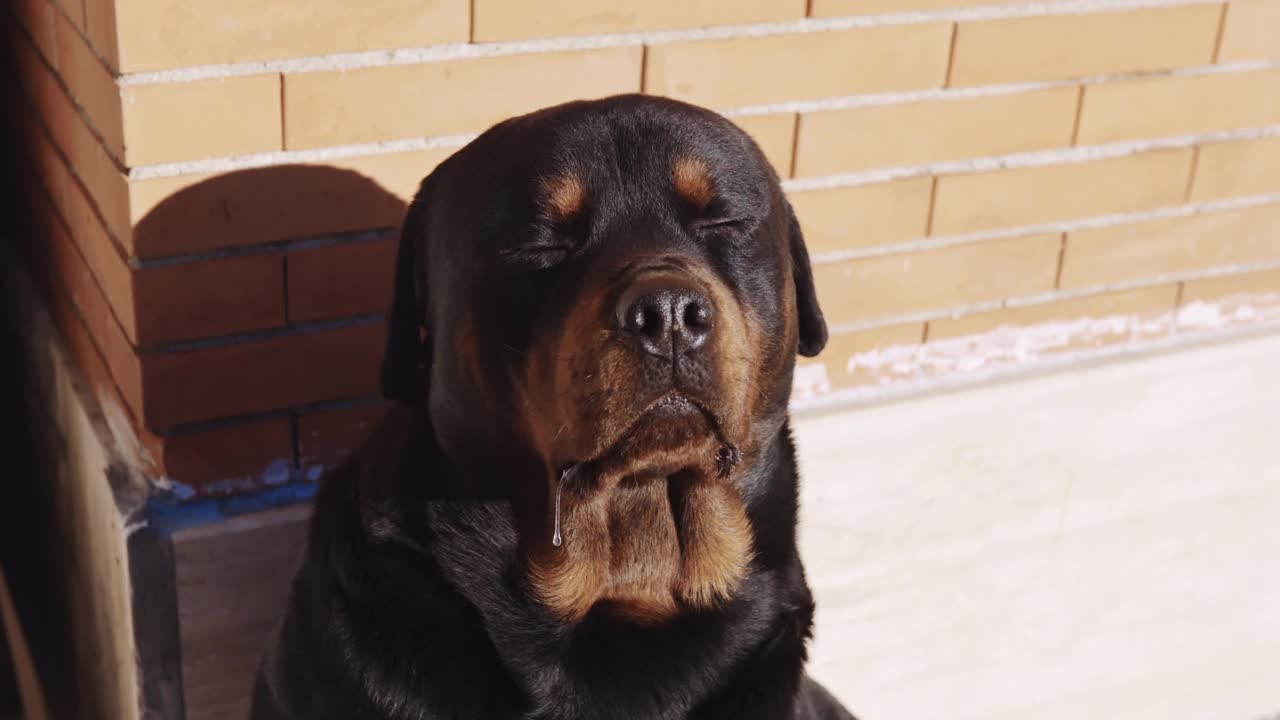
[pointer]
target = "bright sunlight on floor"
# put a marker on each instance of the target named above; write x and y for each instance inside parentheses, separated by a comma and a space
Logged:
(1096, 543)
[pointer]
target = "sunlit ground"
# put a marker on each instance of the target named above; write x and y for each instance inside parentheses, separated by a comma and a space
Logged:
(1097, 543)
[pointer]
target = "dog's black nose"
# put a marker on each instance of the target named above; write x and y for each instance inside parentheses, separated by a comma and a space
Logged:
(667, 322)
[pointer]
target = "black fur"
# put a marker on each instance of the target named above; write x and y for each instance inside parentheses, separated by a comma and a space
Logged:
(412, 601)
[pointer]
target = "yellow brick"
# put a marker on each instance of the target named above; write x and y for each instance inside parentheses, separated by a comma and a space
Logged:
(201, 119)
(879, 287)
(863, 215)
(1146, 302)
(834, 8)
(775, 134)
(1235, 169)
(1150, 249)
(515, 19)
(91, 84)
(1026, 196)
(1179, 105)
(334, 108)
(924, 132)
(161, 34)
(1251, 31)
(1058, 47)
(1266, 282)
(806, 66)
(843, 346)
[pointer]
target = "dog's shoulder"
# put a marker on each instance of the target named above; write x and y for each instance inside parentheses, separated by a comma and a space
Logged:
(374, 592)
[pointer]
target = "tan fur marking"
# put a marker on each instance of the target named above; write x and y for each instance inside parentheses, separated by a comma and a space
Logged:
(571, 578)
(564, 196)
(716, 536)
(737, 341)
(641, 550)
(646, 550)
(693, 181)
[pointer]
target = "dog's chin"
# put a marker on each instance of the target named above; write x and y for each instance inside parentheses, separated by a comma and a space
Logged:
(670, 435)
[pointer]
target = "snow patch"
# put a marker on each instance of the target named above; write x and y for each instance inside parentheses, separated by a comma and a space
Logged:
(810, 381)
(904, 369)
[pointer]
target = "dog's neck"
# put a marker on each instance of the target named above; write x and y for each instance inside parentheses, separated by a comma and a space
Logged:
(419, 500)
(643, 548)
(634, 625)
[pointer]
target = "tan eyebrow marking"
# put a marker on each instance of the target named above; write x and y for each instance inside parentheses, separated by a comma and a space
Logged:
(564, 196)
(693, 181)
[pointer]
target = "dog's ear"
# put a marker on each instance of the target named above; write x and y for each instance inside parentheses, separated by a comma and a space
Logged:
(406, 359)
(813, 328)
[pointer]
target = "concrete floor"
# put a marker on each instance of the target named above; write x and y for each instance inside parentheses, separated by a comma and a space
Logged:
(1097, 543)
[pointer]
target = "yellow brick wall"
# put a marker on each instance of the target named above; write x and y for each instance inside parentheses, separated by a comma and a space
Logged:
(960, 166)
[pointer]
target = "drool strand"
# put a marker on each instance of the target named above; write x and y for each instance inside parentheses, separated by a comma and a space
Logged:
(556, 539)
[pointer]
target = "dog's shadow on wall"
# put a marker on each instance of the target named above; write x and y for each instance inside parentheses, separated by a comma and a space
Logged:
(335, 230)
(257, 206)
(283, 209)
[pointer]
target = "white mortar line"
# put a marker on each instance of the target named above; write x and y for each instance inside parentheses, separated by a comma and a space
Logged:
(1064, 226)
(1027, 159)
(932, 94)
(459, 51)
(903, 97)
(283, 157)
(1030, 159)
(1052, 296)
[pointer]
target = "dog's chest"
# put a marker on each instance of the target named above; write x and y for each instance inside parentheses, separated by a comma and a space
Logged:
(579, 670)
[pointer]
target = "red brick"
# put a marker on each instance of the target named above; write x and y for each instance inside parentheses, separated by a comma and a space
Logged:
(204, 299)
(76, 209)
(279, 372)
(100, 26)
(80, 345)
(90, 162)
(92, 86)
(39, 19)
(82, 313)
(68, 277)
(230, 459)
(325, 437)
(340, 280)
(73, 8)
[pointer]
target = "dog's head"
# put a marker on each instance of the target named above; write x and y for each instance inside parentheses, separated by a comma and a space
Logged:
(617, 284)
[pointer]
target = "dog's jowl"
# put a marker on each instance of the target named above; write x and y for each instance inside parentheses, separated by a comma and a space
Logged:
(583, 504)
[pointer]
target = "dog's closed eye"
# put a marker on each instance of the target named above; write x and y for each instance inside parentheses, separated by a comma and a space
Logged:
(543, 252)
(713, 228)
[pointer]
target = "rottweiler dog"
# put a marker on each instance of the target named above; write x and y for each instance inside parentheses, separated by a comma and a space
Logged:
(583, 502)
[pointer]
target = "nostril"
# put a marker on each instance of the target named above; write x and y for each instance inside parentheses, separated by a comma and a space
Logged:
(652, 321)
(665, 322)
(648, 317)
(633, 318)
(697, 316)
